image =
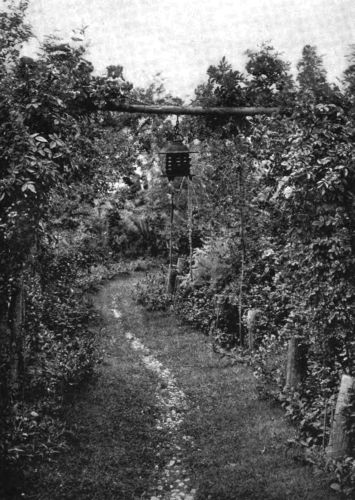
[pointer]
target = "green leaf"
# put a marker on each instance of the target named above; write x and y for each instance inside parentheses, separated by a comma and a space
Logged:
(39, 138)
(335, 486)
(28, 186)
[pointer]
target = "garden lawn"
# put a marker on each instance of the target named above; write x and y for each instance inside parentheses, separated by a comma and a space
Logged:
(240, 441)
(112, 437)
(238, 448)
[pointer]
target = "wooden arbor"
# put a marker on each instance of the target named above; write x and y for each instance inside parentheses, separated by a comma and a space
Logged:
(177, 154)
(189, 110)
(338, 443)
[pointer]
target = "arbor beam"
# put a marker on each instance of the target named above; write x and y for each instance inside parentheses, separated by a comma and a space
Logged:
(186, 110)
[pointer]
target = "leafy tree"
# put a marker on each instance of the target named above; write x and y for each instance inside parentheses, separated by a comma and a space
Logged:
(298, 219)
(269, 81)
(14, 32)
(312, 76)
(53, 158)
(349, 79)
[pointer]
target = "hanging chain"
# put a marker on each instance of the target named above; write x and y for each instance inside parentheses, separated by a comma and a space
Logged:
(171, 225)
(177, 136)
(189, 209)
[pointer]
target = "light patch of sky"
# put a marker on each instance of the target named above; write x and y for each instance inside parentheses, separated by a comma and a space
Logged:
(180, 39)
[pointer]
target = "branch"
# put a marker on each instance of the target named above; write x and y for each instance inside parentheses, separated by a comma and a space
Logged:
(185, 110)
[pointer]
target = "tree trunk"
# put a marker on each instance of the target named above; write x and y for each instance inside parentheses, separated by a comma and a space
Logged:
(339, 439)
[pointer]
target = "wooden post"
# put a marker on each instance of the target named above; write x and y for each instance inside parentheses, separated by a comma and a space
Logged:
(180, 266)
(294, 365)
(16, 316)
(339, 440)
(251, 319)
(219, 303)
(171, 281)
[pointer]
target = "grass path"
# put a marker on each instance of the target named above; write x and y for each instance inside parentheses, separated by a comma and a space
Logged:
(228, 445)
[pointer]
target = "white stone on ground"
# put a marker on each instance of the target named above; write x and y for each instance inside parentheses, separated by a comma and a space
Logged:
(172, 402)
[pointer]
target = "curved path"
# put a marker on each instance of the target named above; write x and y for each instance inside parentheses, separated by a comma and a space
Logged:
(167, 419)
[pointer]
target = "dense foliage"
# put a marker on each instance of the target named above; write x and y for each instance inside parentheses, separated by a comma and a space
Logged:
(274, 203)
(54, 171)
(267, 219)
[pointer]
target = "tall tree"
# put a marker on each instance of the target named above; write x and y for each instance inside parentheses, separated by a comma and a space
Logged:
(349, 77)
(312, 76)
(269, 80)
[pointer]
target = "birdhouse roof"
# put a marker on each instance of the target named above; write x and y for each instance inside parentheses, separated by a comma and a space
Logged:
(176, 147)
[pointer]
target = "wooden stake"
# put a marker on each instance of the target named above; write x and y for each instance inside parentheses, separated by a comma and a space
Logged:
(251, 319)
(293, 371)
(339, 439)
(219, 303)
(180, 266)
(171, 282)
(325, 422)
(16, 316)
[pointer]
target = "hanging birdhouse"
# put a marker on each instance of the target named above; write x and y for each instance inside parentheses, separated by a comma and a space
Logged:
(177, 160)
(177, 156)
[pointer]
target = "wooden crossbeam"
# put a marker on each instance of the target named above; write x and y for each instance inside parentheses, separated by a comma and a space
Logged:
(186, 110)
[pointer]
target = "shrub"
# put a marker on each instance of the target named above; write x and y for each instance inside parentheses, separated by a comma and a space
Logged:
(195, 306)
(59, 354)
(213, 264)
(151, 293)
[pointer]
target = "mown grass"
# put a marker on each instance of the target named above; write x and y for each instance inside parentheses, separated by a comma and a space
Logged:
(240, 447)
(113, 440)
(238, 450)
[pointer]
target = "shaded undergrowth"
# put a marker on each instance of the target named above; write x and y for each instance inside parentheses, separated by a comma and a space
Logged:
(112, 437)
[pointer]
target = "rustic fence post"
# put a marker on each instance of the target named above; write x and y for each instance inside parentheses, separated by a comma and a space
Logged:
(171, 281)
(339, 439)
(295, 365)
(16, 318)
(219, 303)
(180, 266)
(180, 270)
(251, 321)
